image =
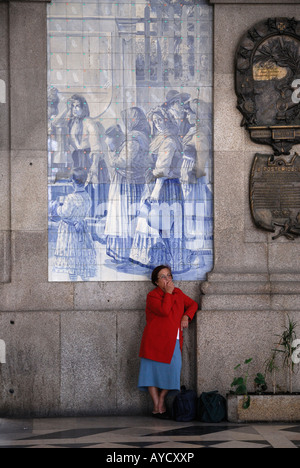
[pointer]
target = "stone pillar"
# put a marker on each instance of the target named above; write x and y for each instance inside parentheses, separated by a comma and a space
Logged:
(30, 380)
(21, 70)
(255, 280)
(5, 225)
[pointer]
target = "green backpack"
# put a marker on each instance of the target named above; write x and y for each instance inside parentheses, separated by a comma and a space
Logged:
(211, 407)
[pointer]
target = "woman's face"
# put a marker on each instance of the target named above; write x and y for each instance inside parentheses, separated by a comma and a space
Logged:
(191, 116)
(164, 277)
(110, 143)
(76, 109)
(159, 123)
(177, 110)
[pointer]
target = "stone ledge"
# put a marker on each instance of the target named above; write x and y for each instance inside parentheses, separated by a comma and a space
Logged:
(251, 287)
(228, 292)
(251, 2)
(25, 1)
(251, 302)
(251, 283)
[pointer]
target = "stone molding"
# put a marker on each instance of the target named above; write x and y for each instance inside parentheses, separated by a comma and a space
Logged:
(25, 1)
(256, 2)
(250, 292)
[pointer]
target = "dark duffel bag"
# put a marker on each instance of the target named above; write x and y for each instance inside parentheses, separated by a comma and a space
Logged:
(185, 405)
(211, 407)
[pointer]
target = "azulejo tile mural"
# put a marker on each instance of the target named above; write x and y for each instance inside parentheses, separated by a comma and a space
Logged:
(129, 139)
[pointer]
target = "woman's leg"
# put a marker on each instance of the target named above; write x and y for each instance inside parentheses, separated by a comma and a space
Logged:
(154, 393)
(158, 398)
(162, 405)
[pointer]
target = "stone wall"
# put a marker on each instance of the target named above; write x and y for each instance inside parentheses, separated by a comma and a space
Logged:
(255, 282)
(5, 236)
(71, 348)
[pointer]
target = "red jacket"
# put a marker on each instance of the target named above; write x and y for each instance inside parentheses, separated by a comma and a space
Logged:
(163, 314)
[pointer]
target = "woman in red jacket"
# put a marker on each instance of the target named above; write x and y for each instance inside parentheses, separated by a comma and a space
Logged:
(168, 313)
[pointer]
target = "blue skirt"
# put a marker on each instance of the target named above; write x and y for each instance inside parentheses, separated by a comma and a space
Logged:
(159, 374)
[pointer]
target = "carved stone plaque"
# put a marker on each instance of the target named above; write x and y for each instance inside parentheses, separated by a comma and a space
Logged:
(267, 87)
(275, 194)
(267, 81)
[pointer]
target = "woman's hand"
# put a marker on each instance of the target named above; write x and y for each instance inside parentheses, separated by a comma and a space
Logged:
(184, 322)
(169, 288)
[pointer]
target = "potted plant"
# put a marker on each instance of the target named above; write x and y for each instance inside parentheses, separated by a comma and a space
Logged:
(241, 383)
(262, 406)
(286, 349)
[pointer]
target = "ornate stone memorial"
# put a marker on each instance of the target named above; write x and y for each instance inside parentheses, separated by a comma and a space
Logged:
(267, 81)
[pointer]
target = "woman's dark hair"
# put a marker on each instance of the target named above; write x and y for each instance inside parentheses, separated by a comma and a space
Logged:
(156, 271)
(83, 104)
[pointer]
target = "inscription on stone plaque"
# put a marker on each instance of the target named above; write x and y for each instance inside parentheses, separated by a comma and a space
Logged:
(267, 68)
(268, 71)
(275, 194)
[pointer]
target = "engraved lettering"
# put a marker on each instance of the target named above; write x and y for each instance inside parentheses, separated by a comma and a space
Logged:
(295, 95)
(2, 92)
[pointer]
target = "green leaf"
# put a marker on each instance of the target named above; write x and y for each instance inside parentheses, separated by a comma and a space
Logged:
(237, 381)
(247, 402)
(260, 379)
(239, 365)
(241, 390)
(248, 361)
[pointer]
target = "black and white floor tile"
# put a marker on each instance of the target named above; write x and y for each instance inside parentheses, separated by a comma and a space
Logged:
(143, 433)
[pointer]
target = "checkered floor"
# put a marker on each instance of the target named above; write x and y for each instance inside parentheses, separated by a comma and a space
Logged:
(143, 433)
